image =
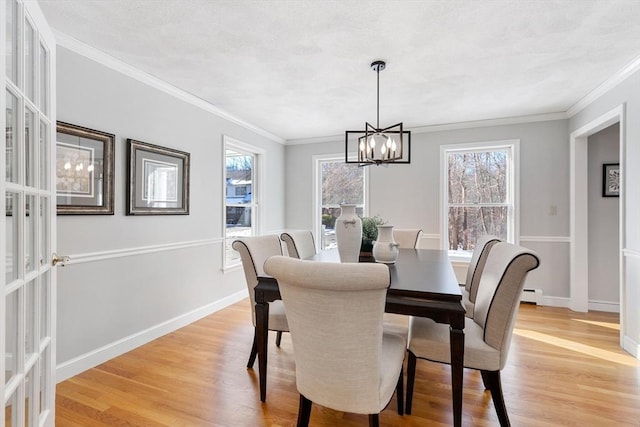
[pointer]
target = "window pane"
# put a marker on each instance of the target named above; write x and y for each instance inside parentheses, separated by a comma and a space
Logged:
(240, 198)
(466, 224)
(11, 173)
(342, 183)
(12, 41)
(478, 177)
(11, 242)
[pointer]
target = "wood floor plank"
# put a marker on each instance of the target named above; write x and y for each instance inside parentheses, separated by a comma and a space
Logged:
(564, 369)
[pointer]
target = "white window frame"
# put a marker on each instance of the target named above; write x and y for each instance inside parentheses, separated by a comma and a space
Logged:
(318, 160)
(256, 191)
(513, 189)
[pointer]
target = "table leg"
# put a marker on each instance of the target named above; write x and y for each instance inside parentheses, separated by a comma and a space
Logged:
(262, 332)
(456, 337)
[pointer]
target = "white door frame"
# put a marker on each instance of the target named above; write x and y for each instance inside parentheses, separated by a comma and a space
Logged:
(579, 245)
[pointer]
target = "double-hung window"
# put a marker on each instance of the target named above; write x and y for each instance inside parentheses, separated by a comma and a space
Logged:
(479, 194)
(240, 195)
(337, 182)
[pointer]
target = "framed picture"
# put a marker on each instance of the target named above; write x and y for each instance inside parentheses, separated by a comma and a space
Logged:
(158, 180)
(84, 170)
(611, 180)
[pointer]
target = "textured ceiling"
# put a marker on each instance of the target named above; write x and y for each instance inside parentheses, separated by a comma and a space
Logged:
(300, 68)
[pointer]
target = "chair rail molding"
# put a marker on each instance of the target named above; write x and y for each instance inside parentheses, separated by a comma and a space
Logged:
(126, 252)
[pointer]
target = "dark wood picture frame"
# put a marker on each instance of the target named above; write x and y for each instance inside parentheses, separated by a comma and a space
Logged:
(611, 180)
(84, 170)
(157, 180)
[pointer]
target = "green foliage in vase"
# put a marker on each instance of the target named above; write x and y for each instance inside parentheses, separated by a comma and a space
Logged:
(370, 231)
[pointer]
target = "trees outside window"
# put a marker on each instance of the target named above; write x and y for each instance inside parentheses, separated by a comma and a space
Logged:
(479, 196)
(338, 183)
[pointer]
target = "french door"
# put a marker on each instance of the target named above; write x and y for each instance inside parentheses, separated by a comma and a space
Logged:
(27, 279)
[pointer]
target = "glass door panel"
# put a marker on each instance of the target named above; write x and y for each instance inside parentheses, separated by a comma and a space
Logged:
(12, 201)
(11, 147)
(29, 60)
(11, 355)
(30, 224)
(44, 155)
(29, 147)
(11, 42)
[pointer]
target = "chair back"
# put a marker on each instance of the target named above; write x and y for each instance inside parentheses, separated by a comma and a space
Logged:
(300, 244)
(407, 237)
(499, 293)
(476, 265)
(254, 251)
(335, 313)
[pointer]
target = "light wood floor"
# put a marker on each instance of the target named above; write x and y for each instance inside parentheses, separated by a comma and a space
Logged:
(564, 369)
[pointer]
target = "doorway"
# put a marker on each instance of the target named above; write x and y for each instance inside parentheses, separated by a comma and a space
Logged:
(579, 203)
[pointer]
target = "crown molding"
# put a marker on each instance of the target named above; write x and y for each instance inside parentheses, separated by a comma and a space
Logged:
(605, 87)
(109, 61)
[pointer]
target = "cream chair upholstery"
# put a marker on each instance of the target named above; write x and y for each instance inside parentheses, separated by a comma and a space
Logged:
(254, 251)
(344, 360)
(474, 271)
(488, 334)
(407, 237)
(300, 244)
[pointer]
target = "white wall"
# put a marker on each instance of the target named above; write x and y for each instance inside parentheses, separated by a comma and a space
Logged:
(146, 275)
(627, 94)
(604, 212)
(407, 196)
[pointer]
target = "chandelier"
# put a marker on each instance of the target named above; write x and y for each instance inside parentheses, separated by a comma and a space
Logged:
(375, 145)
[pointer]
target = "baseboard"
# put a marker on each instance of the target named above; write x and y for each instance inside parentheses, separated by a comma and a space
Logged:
(555, 301)
(100, 355)
(611, 307)
(631, 347)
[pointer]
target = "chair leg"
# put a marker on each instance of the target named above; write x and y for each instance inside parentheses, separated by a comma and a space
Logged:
(411, 375)
(492, 379)
(278, 338)
(373, 420)
(254, 350)
(400, 392)
(304, 412)
(485, 380)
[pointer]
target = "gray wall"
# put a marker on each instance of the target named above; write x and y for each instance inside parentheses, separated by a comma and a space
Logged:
(115, 298)
(408, 195)
(604, 223)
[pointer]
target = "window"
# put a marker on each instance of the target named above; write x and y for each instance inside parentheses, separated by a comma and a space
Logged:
(479, 194)
(336, 182)
(240, 198)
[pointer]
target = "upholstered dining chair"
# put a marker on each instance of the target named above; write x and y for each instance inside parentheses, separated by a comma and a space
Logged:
(407, 237)
(488, 334)
(474, 271)
(254, 251)
(344, 359)
(300, 244)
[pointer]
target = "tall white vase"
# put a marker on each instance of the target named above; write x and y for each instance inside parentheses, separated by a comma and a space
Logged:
(385, 249)
(348, 234)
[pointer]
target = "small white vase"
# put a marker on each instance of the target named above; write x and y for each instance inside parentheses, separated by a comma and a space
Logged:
(348, 234)
(385, 249)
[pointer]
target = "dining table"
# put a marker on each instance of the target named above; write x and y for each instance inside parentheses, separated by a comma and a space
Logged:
(422, 284)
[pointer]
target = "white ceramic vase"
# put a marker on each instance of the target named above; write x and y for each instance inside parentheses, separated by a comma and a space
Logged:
(348, 234)
(385, 248)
